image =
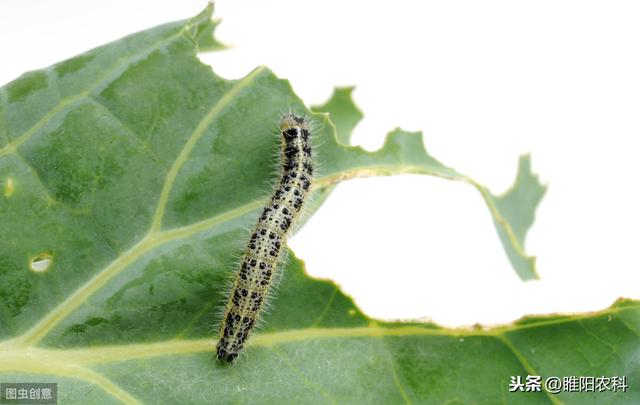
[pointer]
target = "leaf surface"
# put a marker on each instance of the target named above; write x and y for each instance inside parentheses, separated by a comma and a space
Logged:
(130, 174)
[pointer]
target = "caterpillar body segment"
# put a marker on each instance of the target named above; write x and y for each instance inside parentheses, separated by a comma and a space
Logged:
(261, 256)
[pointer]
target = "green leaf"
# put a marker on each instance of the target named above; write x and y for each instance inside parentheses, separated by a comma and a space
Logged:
(130, 174)
(344, 113)
(317, 347)
(403, 152)
(202, 29)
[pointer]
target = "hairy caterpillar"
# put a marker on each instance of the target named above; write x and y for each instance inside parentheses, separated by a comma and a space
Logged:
(260, 258)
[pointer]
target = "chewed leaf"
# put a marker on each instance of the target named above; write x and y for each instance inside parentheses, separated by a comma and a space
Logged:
(130, 174)
(343, 112)
(513, 215)
(403, 152)
(202, 29)
(319, 348)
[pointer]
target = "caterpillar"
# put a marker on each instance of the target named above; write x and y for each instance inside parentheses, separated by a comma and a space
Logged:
(260, 259)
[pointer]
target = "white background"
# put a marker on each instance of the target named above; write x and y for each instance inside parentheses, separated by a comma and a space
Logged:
(486, 81)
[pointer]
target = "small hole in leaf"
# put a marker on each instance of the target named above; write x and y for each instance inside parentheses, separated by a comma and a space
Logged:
(41, 262)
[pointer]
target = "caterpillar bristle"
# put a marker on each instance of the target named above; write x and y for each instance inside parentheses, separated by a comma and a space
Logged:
(258, 267)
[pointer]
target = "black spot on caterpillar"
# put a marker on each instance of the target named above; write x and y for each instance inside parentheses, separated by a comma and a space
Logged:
(260, 258)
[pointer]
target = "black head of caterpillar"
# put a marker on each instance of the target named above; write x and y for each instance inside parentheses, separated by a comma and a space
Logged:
(260, 259)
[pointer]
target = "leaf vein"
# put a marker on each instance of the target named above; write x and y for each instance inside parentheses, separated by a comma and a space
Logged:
(151, 241)
(77, 98)
(326, 307)
(36, 176)
(195, 136)
(526, 365)
(138, 140)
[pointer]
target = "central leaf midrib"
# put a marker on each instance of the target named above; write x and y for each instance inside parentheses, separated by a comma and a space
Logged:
(152, 241)
(76, 362)
(12, 355)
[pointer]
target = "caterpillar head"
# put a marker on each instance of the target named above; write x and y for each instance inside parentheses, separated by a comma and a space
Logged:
(293, 121)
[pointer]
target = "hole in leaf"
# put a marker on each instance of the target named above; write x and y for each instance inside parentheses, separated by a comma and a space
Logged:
(41, 262)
